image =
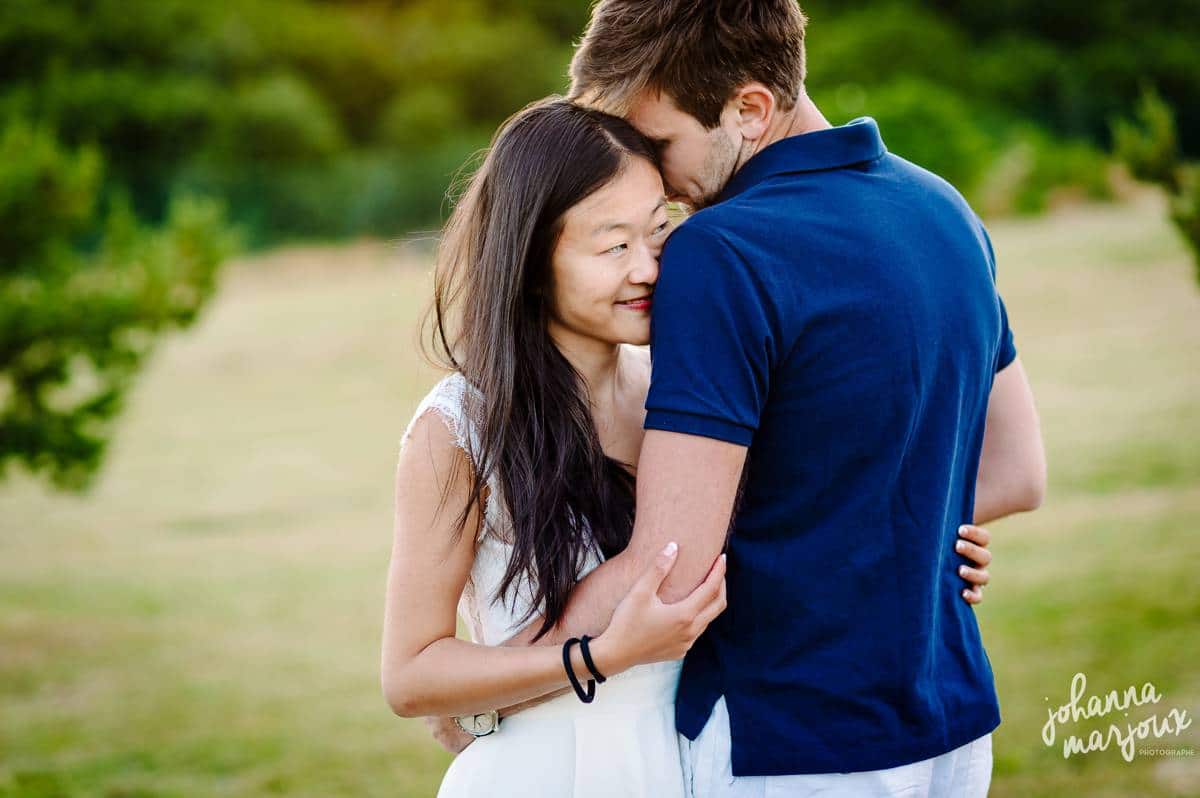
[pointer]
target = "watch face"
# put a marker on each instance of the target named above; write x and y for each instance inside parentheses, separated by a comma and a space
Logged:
(477, 724)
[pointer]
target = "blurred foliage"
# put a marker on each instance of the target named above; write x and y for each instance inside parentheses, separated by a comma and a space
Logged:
(337, 118)
(82, 295)
(1010, 101)
(311, 119)
(330, 119)
(1149, 146)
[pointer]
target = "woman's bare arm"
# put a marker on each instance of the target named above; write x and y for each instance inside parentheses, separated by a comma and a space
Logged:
(425, 669)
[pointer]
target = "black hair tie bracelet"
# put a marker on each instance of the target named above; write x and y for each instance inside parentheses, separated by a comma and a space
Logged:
(590, 695)
(587, 658)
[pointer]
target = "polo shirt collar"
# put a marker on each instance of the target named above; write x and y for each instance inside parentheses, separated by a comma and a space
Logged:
(855, 142)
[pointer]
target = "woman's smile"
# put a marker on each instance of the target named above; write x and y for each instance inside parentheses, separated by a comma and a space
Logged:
(640, 304)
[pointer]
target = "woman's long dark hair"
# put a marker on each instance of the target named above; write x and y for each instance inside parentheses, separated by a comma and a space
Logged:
(492, 301)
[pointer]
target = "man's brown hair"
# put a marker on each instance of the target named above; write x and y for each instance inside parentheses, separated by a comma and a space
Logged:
(697, 51)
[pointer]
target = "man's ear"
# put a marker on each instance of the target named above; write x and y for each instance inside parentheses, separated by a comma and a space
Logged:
(754, 107)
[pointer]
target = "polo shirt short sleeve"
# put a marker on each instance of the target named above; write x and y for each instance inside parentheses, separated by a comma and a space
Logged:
(1008, 349)
(711, 371)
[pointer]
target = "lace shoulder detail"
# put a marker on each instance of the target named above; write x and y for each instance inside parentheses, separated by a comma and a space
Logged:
(458, 403)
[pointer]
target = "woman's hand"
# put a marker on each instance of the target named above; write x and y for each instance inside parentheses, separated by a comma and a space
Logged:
(972, 544)
(644, 629)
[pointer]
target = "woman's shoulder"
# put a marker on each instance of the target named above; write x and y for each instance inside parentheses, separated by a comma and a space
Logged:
(453, 391)
(450, 382)
(448, 403)
(433, 433)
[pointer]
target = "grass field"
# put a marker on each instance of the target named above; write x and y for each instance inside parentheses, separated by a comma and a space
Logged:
(207, 620)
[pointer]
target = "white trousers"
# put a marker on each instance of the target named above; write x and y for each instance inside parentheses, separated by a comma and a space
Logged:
(965, 772)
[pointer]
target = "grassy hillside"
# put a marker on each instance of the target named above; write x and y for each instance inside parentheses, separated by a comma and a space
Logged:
(207, 622)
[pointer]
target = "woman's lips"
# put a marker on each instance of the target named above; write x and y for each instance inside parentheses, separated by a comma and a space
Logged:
(640, 304)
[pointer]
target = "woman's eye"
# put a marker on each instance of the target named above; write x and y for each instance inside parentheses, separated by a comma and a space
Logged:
(662, 228)
(617, 250)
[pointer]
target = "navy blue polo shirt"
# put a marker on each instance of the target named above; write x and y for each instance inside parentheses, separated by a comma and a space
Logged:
(836, 312)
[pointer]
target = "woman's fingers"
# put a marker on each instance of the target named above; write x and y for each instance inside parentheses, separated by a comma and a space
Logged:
(972, 544)
(656, 573)
(714, 608)
(973, 575)
(975, 534)
(706, 591)
(981, 556)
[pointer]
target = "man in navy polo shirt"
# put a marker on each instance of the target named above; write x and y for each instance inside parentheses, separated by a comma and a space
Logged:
(827, 326)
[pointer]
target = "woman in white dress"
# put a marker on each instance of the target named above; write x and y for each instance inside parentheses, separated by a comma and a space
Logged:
(515, 476)
(516, 473)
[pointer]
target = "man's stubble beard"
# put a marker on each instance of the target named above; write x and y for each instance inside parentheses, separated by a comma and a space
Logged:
(720, 165)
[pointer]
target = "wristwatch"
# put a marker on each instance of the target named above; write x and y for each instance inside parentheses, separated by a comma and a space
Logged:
(480, 725)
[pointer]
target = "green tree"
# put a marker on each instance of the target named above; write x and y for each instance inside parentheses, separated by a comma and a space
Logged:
(83, 295)
(1149, 146)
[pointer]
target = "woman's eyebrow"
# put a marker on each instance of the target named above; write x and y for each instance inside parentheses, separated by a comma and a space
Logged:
(610, 226)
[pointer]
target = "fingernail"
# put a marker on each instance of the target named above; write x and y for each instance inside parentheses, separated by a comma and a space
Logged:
(962, 530)
(671, 548)
(722, 558)
(962, 569)
(960, 545)
(966, 593)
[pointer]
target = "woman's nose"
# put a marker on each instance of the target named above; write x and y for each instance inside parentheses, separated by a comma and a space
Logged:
(645, 271)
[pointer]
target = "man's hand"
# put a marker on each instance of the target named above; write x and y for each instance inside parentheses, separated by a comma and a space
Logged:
(448, 734)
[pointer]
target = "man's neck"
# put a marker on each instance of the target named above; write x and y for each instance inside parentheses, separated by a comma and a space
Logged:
(804, 117)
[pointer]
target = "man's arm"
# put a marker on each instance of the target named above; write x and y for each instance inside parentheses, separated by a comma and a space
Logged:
(687, 485)
(1012, 468)
(686, 489)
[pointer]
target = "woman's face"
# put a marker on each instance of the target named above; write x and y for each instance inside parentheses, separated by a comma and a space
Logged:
(605, 265)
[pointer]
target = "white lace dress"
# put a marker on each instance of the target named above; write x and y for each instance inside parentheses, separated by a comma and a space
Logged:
(622, 744)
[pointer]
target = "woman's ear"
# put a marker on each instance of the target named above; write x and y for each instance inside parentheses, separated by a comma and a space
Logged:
(754, 107)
